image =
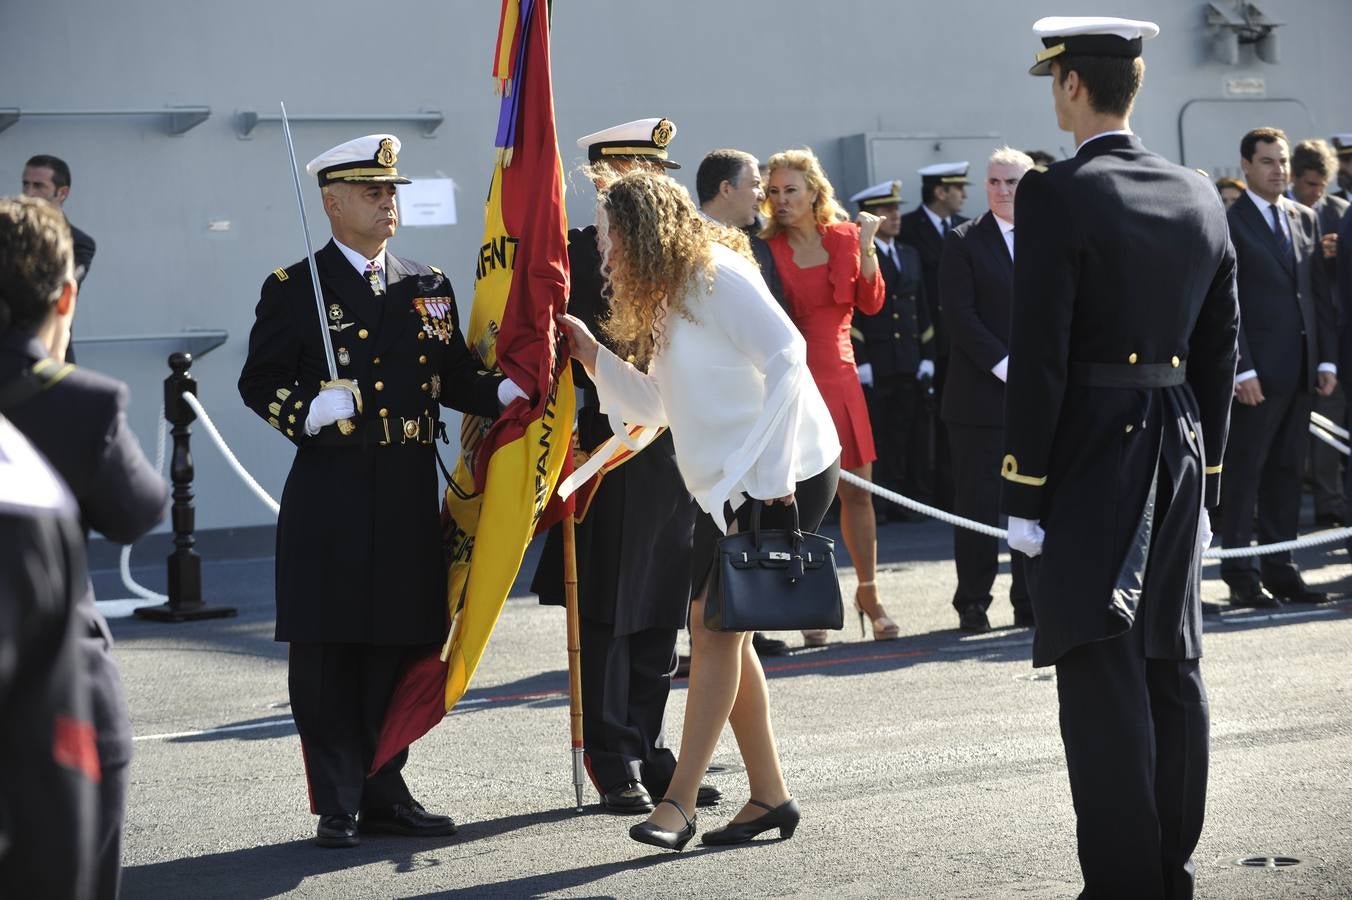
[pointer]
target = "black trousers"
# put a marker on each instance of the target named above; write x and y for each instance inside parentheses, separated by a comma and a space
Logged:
(625, 683)
(1136, 733)
(1264, 461)
(113, 728)
(976, 475)
(942, 455)
(1326, 463)
(902, 432)
(339, 694)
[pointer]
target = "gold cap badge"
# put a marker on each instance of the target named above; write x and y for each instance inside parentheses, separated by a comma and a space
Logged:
(663, 132)
(386, 155)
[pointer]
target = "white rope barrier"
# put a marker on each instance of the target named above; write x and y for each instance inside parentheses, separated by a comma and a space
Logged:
(1330, 426)
(243, 473)
(1329, 439)
(124, 562)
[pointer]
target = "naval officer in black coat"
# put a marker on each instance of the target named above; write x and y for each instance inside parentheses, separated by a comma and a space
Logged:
(361, 575)
(633, 544)
(1121, 366)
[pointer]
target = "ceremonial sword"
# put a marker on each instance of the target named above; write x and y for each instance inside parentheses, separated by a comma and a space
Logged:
(346, 426)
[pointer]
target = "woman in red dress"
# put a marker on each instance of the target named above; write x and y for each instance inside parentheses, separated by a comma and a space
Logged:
(829, 266)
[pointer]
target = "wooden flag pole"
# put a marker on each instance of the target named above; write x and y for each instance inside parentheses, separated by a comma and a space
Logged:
(574, 654)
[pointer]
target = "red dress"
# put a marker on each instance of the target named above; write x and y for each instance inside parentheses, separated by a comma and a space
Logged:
(821, 303)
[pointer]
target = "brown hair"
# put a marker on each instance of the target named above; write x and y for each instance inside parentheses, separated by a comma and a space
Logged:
(1228, 182)
(36, 259)
(1313, 154)
(826, 210)
(1250, 141)
(1112, 81)
(665, 250)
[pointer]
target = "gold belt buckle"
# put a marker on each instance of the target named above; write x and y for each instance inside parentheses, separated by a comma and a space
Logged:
(411, 430)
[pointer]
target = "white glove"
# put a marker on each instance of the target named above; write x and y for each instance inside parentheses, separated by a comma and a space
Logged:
(1025, 536)
(925, 369)
(866, 374)
(509, 391)
(1204, 534)
(1001, 369)
(330, 405)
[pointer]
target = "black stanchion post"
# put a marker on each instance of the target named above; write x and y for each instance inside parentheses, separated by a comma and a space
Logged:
(185, 565)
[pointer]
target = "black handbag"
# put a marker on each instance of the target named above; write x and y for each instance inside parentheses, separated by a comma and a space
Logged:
(774, 579)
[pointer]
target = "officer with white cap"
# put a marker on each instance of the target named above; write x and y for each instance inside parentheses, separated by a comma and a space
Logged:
(894, 352)
(1121, 367)
(361, 577)
(633, 544)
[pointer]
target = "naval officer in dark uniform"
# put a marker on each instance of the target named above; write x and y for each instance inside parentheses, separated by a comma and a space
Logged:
(894, 353)
(633, 545)
(1121, 367)
(361, 576)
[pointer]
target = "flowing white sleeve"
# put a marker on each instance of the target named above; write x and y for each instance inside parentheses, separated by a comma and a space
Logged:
(626, 394)
(765, 464)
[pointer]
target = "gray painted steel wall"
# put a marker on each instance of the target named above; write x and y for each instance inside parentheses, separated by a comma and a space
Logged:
(759, 75)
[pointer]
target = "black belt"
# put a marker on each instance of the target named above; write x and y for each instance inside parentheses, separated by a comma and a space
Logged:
(1119, 375)
(389, 431)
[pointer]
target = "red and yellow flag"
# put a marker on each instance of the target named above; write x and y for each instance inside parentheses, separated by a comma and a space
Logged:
(508, 468)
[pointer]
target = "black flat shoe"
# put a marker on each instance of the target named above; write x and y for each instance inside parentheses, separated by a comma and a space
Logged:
(630, 798)
(337, 831)
(648, 833)
(408, 819)
(784, 817)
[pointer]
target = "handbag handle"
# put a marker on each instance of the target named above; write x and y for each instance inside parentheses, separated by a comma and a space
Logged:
(796, 535)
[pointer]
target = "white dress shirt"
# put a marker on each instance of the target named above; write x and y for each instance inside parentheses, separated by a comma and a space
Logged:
(360, 262)
(734, 388)
(1001, 369)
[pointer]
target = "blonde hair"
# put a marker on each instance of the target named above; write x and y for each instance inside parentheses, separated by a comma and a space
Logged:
(825, 209)
(665, 250)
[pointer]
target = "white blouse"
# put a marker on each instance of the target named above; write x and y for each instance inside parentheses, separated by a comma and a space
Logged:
(734, 388)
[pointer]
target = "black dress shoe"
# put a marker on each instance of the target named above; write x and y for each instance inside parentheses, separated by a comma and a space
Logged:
(337, 831)
(408, 819)
(1298, 593)
(1023, 618)
(1252, 598)
(784, 817)
(972, 619)
(1212, 609)
(648, 833)
(1330, 519)
(628, 799)
(768, 646)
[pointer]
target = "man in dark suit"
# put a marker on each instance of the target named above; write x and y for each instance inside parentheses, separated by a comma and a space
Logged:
(1313, 165)
(1122, 361)
(47, 178)
(361, 574)
(894, 353)
(77, 419)
(1342, 145)
(633, 544)
(976, 277)
(943, 191)
(1287, 352)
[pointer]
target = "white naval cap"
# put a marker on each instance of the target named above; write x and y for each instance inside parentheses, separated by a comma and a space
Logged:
(885, 194)
(1089, 35)
(639, 139)
(1342, 145)
(363, 159)
(945, 173)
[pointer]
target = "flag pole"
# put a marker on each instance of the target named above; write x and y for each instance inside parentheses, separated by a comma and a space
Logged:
(574, 654)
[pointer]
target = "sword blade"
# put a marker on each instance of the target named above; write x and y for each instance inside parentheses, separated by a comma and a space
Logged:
(309, 252)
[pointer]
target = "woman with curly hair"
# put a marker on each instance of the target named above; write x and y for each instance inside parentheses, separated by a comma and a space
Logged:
(828, 266)
(721, 366)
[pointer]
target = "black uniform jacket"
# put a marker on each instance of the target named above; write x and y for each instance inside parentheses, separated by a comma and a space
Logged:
(976, 285)
(1124, 279)
(634, 545)
(899, 335)
(359, 556)
(1287, 320)
(918, 231)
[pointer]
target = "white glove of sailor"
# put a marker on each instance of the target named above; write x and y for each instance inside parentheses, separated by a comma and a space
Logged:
(866, 374)
(925, 369)
(1204, 534)
(328, 406)
(1025, 536)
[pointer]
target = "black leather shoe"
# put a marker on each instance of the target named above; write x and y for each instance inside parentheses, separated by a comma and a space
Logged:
(784, 817)
(1298, 593)
(1023, 618)
(648, 833)
(1252, 598)
(972, 619)
(408, 819)
(337, 831)
(1212, 609)
(708, 795)
(768, 646)
(628, 799)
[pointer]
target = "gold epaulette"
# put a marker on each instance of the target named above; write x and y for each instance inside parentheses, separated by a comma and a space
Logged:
(281, 274)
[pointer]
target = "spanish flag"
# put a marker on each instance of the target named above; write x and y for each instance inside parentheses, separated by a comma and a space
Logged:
(508, 468)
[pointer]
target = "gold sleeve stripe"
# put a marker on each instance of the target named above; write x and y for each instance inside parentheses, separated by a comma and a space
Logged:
(928, 335)
(1009, 470)
(1213, 470)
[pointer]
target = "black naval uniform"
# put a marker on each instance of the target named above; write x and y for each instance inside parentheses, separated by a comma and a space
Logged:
(49, 796)
(919, 232)
(361, 574)
(1122, 364)
(77, 418)
(894, 341)
(634, 577)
